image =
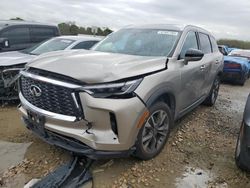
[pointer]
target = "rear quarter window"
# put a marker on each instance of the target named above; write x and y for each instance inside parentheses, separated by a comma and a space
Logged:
(205, 44)
(85, 45)
(214, 44)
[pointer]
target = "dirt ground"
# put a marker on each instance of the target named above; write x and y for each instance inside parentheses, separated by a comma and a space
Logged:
(199, 152)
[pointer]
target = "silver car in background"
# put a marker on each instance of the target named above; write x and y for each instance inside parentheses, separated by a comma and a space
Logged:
(12, 62)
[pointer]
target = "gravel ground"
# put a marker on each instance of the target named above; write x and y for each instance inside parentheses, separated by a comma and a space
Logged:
(199, 152)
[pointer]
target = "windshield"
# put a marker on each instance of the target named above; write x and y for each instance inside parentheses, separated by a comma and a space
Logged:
(142, 42)
(49, 46)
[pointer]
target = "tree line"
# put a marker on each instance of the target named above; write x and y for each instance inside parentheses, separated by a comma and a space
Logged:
(72, 29)
(234, 43)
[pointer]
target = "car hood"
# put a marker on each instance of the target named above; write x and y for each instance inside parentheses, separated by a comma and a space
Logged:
(14, 58)
(97, 67)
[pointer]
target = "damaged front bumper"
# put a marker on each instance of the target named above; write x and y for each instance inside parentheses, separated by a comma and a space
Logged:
(73, 145)
(8, 83)
(100, 140)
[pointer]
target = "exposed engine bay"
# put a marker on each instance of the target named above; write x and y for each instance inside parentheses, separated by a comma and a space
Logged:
(9, 82)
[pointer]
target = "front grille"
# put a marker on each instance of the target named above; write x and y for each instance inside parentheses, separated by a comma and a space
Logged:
(54, 98)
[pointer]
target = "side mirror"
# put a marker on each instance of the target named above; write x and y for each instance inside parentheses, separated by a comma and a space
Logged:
(193, 55)
(4, 43)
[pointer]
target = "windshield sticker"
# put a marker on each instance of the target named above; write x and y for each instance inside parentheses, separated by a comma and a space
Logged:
(66, 41)
(173, 33)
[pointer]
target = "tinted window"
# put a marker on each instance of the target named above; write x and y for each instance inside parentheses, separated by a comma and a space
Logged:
(85, 45)
(190, 42)
(214, 44)
(205, 43)
(141, 42)
(19, 35)
(39, 34)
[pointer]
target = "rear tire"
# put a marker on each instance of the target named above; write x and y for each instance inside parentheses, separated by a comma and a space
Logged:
(243, 81)
(153, 135)
(211, 99)
(241, 155)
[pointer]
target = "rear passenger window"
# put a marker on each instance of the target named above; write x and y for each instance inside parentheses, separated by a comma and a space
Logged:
(85, 45)
(214, 44)
(205, 43)
(39, 34)
(190, 42)
(19, 35)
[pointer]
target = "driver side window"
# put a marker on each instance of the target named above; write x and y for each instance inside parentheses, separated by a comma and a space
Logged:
(190, 42)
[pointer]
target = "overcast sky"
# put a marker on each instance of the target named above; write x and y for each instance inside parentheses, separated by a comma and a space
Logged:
(224, 18)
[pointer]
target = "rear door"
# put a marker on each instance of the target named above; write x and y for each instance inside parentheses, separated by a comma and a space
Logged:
(207, 63)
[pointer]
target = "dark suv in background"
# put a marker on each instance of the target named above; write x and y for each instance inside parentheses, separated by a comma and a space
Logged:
(18, 35)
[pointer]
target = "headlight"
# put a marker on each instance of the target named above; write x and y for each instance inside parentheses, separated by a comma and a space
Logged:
(125, 88)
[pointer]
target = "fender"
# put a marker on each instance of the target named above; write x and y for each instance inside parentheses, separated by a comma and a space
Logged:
(161, 91)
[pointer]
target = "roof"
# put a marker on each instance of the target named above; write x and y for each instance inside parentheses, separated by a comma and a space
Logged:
(158, 26)
(177, 27)
(80, 37)
(5, 23)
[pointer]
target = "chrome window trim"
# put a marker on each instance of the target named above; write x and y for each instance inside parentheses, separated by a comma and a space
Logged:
(53, 115)
(49, 80)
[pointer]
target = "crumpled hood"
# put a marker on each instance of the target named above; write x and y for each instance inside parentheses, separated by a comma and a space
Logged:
(97, 67)
(14, 58)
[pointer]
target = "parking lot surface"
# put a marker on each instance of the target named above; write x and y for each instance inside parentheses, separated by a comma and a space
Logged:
(199, 153)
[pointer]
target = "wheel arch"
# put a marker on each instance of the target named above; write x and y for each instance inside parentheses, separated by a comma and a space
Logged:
(165, 95)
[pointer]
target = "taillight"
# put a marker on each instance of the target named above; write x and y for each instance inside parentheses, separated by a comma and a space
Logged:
(232, 65)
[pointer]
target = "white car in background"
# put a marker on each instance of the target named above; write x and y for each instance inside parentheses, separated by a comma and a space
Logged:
(12, 62)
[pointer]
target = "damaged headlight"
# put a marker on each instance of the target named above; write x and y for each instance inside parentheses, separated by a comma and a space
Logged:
(117, 89)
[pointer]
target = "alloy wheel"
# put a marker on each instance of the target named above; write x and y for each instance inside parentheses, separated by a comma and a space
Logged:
(155, 131)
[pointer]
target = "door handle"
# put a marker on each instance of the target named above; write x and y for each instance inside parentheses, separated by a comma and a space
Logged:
(202, 67)
(217, 61)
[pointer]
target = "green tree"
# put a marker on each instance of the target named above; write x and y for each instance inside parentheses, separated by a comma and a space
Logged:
(74, 30)
(99, 31)
(64, 28)
(89, 31)
(82, 30)
(107, 31)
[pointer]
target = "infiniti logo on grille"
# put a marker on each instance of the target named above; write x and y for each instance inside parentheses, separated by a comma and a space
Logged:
(35, 91)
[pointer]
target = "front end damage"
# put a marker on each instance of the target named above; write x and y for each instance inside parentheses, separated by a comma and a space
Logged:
(76, 120)
(9, 82)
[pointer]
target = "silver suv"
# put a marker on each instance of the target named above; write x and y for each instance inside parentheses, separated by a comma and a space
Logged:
(123, 96)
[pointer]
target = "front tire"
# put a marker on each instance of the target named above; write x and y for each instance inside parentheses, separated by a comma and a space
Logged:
(153, 135)
(241, 155)
(211, 99)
